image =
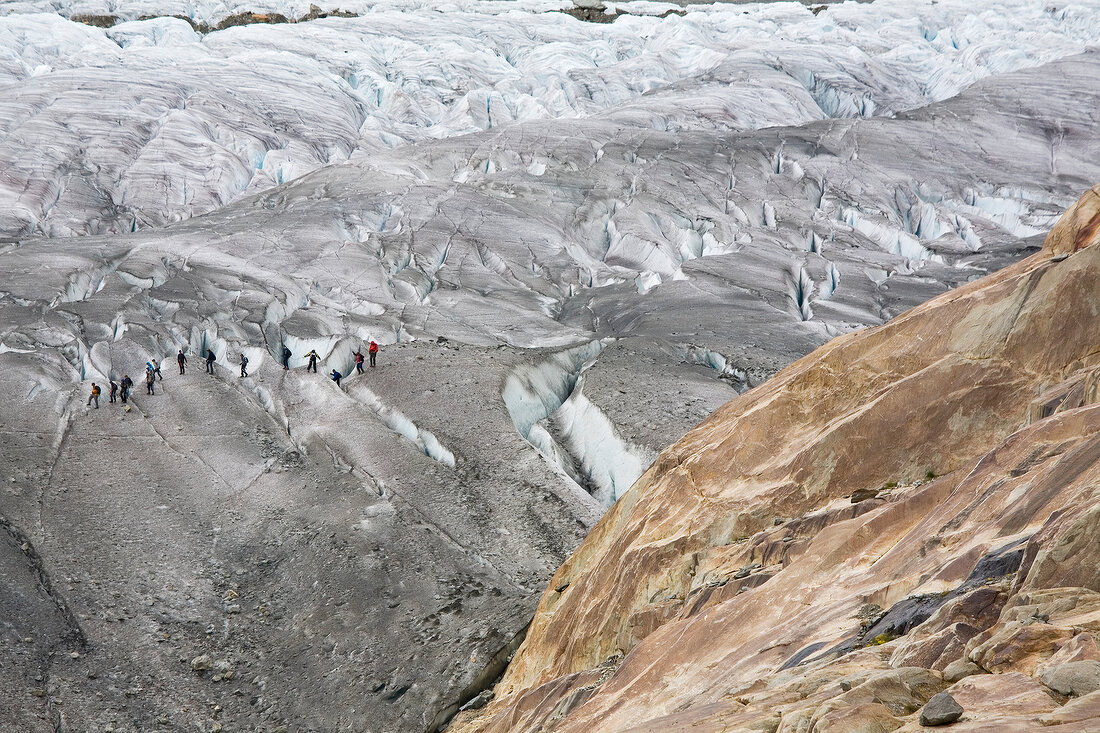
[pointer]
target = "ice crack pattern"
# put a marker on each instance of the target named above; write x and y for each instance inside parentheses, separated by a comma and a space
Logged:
(185, 123)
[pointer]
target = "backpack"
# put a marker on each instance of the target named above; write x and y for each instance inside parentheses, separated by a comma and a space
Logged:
(244, 360)
(95, 390)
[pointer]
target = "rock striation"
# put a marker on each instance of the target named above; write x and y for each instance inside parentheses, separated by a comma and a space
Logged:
(737, 587)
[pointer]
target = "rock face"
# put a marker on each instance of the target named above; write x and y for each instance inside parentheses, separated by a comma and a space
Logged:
(1003, 535)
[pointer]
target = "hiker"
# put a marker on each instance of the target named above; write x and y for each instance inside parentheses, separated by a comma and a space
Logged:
(373, 351)
(210, 359)
(156, 370)
(313, 356)
(150, 381)
(286, 358)
(336, 377)
(244, 365)
(126, 385)
(114, 391)
(95, 395)
(359, 361)
(181, 360)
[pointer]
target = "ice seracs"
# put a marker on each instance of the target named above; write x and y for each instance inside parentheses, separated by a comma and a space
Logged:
(148, 122)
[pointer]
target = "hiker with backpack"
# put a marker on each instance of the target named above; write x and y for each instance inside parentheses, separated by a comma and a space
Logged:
(181, 359)
(156, 369)
(126, 385)
(313, 356)
(210, 359)
(359, 361)
(150, 381)
(244, 365)
(336, 377)
(286, 358)
(373, 351)
(114, 391)
(94, 396)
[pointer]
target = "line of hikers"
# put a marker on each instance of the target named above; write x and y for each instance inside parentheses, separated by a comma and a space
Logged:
(152, 371)
(122, 388)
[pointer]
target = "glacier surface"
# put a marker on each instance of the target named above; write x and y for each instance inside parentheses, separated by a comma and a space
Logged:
(573, 242)
(148, 122)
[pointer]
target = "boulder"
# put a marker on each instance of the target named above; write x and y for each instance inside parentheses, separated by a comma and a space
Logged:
(940, 710)
(863, 495)
(959, 669)
(1073, 678)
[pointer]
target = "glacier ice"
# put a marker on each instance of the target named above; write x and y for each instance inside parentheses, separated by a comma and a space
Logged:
(548, 408)
(572, 241)
(172, 123)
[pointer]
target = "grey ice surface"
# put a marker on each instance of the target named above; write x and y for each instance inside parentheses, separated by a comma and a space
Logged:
(148, 122)
(557, 299)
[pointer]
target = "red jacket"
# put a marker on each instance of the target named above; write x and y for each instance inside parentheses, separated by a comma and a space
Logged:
(373, 348)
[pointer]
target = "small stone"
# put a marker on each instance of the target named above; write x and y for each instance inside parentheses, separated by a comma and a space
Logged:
(202, 663)
(478, 702)
(940, 710)
(746, 571)
(863, 495)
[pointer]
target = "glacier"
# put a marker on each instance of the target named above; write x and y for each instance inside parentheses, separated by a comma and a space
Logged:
(174, 123)
(572, 241)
